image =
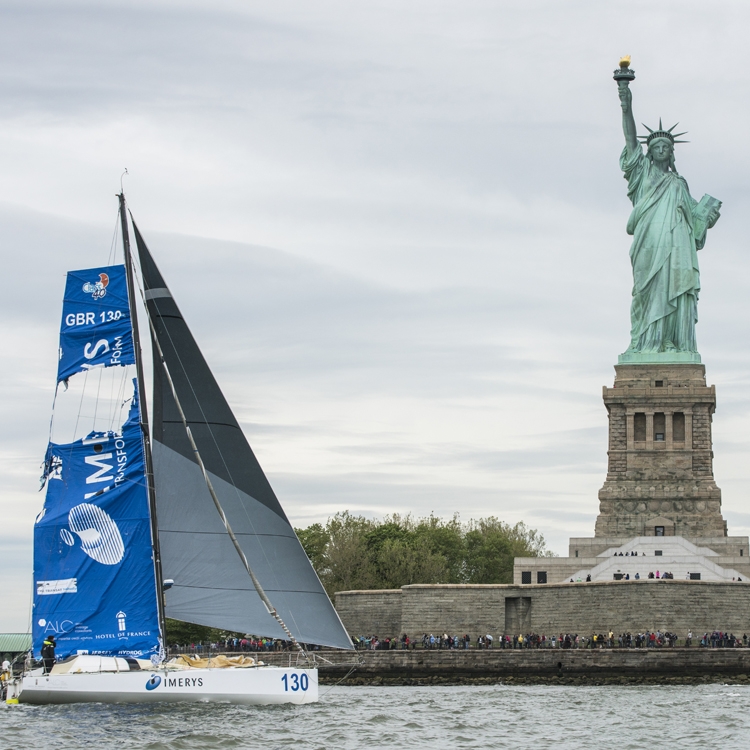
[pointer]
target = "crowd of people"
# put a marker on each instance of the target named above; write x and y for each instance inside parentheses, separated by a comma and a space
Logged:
(717, 639)
(645, 639)
(248, 643)
(445, 641)
(664, 576)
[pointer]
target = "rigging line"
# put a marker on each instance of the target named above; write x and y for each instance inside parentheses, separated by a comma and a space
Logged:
(80, 405)
(110, 416)
(115, 404)
(121, 398)
(31, 605)
(256, 583)
(52, 416)
(336, 684)
(96, 400)
(116, 401)
(113, 247)
(226, 588)
(215, 424)
(219, 451)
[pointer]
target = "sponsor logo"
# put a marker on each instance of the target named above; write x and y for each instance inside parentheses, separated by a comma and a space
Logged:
(183, 681)
(56, 626)
(121, 625)
(154, 682)
(61, 586)
(97, 349)
(99, 288)
(99, 535)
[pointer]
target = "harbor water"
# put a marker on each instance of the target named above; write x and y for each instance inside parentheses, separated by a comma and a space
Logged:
(498, 716)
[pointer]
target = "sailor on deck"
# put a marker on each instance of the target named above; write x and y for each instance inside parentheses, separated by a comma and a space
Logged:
(48, 653)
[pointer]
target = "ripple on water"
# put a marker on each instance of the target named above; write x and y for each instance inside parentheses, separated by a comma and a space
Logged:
(422, 718)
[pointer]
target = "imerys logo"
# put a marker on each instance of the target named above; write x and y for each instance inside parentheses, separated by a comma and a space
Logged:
(99, 288)
(154, 682)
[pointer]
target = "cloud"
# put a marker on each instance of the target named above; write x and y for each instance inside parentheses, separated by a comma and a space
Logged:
(396, 230)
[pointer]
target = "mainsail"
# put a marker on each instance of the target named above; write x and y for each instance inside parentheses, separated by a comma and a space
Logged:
(93, 570)
(211, 586)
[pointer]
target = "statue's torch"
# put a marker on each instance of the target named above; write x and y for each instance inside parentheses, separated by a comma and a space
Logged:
(624, 75)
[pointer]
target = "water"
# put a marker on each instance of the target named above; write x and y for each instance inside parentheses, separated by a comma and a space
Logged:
(518, 717)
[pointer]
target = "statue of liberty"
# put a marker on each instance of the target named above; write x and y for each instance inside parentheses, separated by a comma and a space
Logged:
(668, 227)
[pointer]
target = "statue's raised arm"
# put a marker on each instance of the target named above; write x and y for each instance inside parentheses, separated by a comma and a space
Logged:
(628, 121)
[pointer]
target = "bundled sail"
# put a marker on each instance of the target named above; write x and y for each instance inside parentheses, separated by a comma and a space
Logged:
(93, 568)
(211, 585)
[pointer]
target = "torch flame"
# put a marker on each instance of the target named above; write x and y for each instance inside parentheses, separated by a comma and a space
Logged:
(625, 61)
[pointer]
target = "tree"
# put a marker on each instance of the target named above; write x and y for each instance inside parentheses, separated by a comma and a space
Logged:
(401, 562)
(353, 552)
(314, 540)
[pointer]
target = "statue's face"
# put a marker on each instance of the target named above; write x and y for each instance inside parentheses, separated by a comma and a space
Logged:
(660, 150)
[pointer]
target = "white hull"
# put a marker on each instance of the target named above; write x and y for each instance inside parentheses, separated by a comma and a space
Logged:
(262, 685)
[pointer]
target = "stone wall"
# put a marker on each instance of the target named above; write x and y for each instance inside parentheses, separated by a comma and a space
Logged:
(370, 612)
(541, 666)
(635, 606)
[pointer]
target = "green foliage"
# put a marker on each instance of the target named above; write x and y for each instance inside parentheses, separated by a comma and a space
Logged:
(314, 540)
(353, 552)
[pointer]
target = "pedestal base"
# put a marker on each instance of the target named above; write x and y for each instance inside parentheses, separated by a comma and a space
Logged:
(663, 358)
(660, 475)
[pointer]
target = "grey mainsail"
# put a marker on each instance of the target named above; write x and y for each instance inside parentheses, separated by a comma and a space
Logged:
(211, 586)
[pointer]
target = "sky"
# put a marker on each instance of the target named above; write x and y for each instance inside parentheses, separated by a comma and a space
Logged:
(397, 231)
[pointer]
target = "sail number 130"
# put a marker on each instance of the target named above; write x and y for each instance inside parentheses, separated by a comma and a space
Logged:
(295, 682)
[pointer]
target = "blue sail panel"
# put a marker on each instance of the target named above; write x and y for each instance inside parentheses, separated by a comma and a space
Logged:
(95, 329)
(94, 582)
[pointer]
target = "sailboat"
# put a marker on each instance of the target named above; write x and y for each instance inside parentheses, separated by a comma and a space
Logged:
(177, 521)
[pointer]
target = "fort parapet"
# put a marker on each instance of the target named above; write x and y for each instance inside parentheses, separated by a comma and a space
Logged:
(583, 608)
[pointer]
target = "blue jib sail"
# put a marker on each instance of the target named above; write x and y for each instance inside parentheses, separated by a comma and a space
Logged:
(95, 328)
(93, 569)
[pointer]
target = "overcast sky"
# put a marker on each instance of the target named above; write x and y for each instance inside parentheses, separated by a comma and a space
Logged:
(397, 230)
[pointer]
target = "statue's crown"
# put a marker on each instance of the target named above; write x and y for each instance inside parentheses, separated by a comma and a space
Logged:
(661, 133)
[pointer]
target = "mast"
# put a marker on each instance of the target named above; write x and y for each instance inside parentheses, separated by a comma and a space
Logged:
(144, 420)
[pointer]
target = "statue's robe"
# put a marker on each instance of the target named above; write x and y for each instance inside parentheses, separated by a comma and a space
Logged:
(666, 280)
